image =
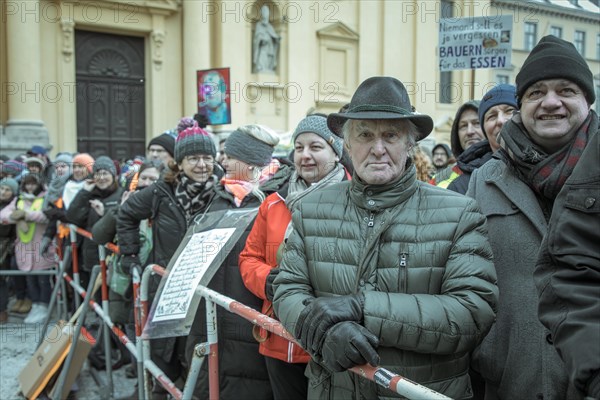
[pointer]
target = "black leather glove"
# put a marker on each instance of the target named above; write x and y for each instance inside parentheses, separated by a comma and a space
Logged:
(269, 289)
(50, 211)
(45, 245)
(348, 344)
(128, 261)
(322, 313)
(54, 213)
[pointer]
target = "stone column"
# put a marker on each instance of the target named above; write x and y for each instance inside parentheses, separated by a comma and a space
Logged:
(24, 87)
(196, 49)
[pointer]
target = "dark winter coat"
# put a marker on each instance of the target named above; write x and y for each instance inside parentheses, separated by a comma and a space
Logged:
(81, 214)
(243, 372)
(169, 225)
(517, 358)
(156, 202)
(105, 230)
(8, 234)
(421, 257)
(471, 159)
(568, 272)
(7, 230)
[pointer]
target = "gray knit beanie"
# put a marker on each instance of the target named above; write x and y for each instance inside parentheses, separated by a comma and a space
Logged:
(66, 158)
(317, 123)
(194, 140)
(11, 183)
(246, 148)
(104, 162)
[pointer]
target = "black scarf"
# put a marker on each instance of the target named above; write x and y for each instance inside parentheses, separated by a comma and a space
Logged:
(474, 157)
(193, 196)
(104, 193)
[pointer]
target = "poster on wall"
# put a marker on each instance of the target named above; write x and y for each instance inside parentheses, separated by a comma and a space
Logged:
(213, 95)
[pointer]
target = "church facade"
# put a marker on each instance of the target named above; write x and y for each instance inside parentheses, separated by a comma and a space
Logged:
(105, 76)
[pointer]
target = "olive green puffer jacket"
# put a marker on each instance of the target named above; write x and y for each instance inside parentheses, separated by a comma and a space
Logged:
(421, 256)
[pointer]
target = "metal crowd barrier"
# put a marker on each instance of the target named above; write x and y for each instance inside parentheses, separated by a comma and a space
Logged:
(58, 294)
(379, 375)
(141, 349)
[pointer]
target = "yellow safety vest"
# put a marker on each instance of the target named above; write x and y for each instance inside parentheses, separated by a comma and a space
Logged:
(25, 237)
(445, 183)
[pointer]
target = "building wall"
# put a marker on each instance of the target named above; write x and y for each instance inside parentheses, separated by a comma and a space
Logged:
(327, 49)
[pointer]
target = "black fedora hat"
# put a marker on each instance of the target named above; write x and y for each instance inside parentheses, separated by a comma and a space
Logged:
(381, 97)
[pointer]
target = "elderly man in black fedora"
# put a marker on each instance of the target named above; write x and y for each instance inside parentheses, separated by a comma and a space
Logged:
(385, 269)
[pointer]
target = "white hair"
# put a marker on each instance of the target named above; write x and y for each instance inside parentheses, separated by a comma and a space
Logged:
(402, 125)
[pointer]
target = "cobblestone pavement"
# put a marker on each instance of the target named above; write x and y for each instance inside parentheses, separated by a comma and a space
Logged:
(18, 343)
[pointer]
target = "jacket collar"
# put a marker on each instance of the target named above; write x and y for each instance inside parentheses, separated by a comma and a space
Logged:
(519, 194)
(380, 197)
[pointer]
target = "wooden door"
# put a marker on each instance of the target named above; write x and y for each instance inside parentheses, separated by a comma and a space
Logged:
(111, 112)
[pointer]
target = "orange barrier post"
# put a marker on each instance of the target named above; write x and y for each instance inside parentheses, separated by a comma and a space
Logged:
(75, 260)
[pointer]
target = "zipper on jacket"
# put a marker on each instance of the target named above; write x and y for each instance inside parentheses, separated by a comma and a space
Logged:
(371, 220)
(403, 273)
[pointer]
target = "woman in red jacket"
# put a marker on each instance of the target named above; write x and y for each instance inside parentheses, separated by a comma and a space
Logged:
(317, 152)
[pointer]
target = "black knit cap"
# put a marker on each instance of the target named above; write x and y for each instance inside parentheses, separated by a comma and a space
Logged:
(166, 141)
(554, 58)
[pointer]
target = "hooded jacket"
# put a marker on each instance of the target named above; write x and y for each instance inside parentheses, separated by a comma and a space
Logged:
(445, 177)
(457, 149)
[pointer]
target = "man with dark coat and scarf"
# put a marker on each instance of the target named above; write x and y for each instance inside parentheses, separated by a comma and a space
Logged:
(540, 148)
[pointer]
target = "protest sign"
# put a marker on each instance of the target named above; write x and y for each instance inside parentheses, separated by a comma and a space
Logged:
(473, 43)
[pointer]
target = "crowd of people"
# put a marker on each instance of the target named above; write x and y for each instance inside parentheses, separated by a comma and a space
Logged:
(473, 270)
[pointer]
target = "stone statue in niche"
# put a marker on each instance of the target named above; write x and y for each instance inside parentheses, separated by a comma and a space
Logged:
(265, 44)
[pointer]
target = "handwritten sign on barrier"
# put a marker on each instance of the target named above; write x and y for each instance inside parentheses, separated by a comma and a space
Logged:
(185, 275)
(205, 247)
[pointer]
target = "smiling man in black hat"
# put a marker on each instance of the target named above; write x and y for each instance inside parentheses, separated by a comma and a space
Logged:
(536, 187)
(385, 269)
